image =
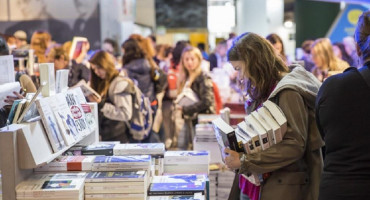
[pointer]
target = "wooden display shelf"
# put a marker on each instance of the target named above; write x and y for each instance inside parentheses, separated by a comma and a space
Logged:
(24, 147)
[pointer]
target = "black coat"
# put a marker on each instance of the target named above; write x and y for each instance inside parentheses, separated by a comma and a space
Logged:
(343, 118)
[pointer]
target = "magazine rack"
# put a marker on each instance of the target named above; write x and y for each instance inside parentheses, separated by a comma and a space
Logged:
(24, 147)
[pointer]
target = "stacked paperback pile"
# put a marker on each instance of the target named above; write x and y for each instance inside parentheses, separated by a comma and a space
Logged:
(224, 182)
(186, 162)
(68, 163)
(121, 163)
(183, 185)
(205, 140)
(212, 184)
(52, 186)
(116, 185)
(260, 130)
(155, 150)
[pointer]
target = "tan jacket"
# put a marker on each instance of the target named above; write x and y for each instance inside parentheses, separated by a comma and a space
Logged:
(296, 162)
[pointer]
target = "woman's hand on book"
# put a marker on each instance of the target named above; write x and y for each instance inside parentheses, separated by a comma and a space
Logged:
(11, 99)
(93, 98)
(232, 159)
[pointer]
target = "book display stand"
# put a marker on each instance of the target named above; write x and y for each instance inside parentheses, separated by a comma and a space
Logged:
(26, 146)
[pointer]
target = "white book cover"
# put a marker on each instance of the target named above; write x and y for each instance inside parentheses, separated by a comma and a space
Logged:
(88, 109)
(187, 97)
(257, 128)
(65, 114)
(266, 115)
(77, 112)
(50, 124)
(255, 137)
(115, 196)
(61, 80)
(277, 114)
(139, 149)
(125, 176)
(265, 125)
(7, 69)
(246, 140)
(47, 75)
(86, 89)
(225, 114)
(186, 157)
(60, 110)
(68, 163)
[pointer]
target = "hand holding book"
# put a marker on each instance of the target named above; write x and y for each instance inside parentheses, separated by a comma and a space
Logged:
(232, 159)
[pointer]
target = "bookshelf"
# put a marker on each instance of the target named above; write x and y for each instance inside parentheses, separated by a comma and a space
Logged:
(25, 146)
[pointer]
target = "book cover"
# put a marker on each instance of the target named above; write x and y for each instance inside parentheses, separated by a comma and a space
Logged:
(186, 184)
(50, 124)
(186, 97)
(87, 108)
(265, 126)
(254, 137)
(13, 110)
(225, 135)
(61, 80)
(77, 112)
(140, 160)
(60, 109)
(76, 47)
(266, 115)
(127, 176)
(186, 157)
(6, 69)
(47, 75)
(86, 89)
(98, 149)
(139, 149)
(60, 184)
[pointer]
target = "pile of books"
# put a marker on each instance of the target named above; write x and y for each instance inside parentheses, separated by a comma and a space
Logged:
(116, 185)
(213, 184)
(121, 163)
(186, 162)
(155, 150)
(68, 163)
(260, 130)
(181, 185)
(52, 186)
(224, 182)
(205, 140)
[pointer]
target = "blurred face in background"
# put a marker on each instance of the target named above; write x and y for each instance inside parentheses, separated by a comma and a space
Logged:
(32, 9)
(85, 8)
(190, 61)
(317, 59)
(60, 63)
(278, 47)
(99, 71)
(108, 48)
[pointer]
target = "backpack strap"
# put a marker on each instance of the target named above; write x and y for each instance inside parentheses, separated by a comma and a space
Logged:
(365, 73)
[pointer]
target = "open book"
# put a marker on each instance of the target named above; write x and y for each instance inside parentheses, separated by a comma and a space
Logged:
(187, 97)
(86, 89)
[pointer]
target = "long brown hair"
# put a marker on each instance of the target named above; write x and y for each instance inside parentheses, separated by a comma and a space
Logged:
(39, 42)
(274, 38)
(262, 68)
(147, 47)
(184, 73)
(102, 60)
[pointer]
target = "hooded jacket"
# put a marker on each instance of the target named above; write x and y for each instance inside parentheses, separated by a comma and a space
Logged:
(295, 162)
(139, 71)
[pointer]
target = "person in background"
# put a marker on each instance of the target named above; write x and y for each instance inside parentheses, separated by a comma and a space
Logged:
(291, 169)
(326, 63)
(350, 46)
(342, 115)
(40, 41)
(115, 106)
(11, 42)
(340, 51)
(306, 47)
(77, 72)
(202, 47)
(278, 44)
(110, 46)
(21, 40)
(192, 77)
(218, 58)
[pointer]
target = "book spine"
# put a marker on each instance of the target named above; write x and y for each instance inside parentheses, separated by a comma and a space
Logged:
(277, 135)
(166, 193)
(233, 142)
(100, 152)
(265, 141)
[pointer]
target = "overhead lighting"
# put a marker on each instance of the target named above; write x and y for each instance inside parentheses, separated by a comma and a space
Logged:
(288, 24)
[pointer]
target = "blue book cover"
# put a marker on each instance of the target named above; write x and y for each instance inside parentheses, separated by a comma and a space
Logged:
(123, 159)
(98, 149)
(116, 175)
(58, 184)
(187, 153)
(13, 109)
(178, 184)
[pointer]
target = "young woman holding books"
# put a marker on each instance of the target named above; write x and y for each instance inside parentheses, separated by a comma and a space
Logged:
(192, 78)
(290, 169)
(342, 111)
(115, 105)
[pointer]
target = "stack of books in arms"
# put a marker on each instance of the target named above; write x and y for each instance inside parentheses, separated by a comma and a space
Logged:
(68, 163)
(65, 186)
(179, 185)
(156, 150)
(261, 129)
(186, 162)
(116, 185)
(205, 139)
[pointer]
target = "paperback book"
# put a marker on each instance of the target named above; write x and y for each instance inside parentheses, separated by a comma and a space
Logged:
(77, 112)
(68, 163)
(101, 149)
(125, 176)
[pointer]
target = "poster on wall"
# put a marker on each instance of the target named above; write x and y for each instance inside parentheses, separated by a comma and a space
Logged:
(62, 19)
(346, 22)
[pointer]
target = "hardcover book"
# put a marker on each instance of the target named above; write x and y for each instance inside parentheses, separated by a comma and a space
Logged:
(225, 135)
(50, 124)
